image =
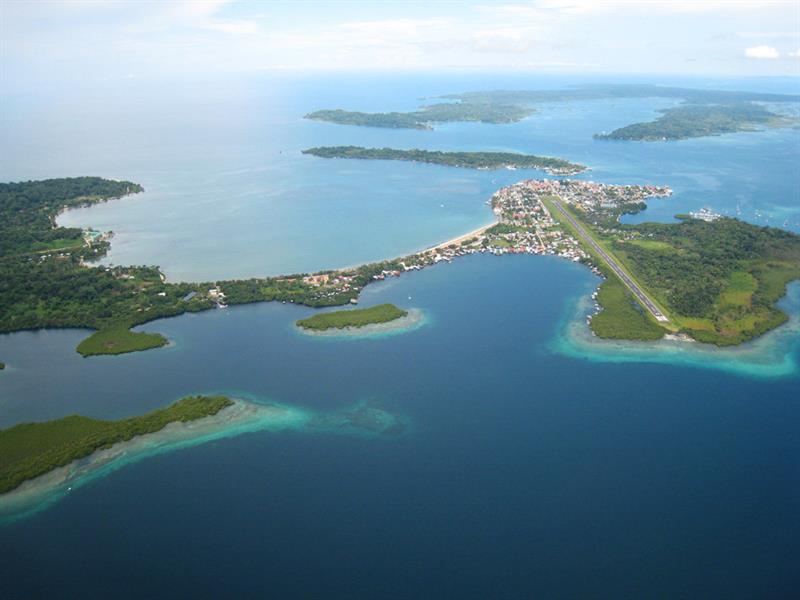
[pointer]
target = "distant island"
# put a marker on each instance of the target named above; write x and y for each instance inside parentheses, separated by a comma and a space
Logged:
(469, 160)
(482, 112)
(689, 121)
(707, 112)
(359, 317)
(32, 449)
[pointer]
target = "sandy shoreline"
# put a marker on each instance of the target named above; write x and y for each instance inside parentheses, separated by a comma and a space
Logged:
(461, 238)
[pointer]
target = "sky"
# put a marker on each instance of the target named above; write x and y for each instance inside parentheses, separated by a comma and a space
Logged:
(83, 40)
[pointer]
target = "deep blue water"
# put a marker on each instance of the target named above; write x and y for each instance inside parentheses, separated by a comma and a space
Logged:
(522, 472)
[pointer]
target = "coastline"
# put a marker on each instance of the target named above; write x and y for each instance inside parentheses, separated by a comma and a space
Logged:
(247, 414)
(461, 238)
(772, 355)
(243, 416)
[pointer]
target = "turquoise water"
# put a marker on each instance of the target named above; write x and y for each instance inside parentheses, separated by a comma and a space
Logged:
(533, 462)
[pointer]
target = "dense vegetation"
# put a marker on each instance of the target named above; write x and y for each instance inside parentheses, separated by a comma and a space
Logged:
(32, 449)
(720, 280)
(119, 340)
(716, 281)
(622, 317)
(471, 160)
(51, 287)
(697, 121)
(28, 210)
(484, 112)
(382, 313)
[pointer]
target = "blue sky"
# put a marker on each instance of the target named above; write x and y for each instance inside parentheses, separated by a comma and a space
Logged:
(76, 40)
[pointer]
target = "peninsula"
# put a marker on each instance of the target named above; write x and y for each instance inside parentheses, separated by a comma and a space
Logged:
(704, 112)
(32, 449)
(359, 317)
(469, 160)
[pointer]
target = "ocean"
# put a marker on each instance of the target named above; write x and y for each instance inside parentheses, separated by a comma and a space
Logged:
(532, 462)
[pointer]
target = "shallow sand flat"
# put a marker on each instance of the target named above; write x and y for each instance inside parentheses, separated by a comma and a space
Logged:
(243, 416)
(415, 319)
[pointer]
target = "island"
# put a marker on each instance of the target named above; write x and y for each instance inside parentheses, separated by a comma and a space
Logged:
(698, 120)
(715, 280)
(119, 340)
(2, 366)
(469, 160)
(359, 317)
(32, 449)
(705, 112)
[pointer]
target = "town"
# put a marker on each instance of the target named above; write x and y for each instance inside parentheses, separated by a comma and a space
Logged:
(524, 225)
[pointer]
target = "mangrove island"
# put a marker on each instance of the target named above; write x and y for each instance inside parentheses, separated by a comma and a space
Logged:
(359, 317)
(32, 449)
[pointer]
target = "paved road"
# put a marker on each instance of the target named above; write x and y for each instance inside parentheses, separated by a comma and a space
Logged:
(611, 261)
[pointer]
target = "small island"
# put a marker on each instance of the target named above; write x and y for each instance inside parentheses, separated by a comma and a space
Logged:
(119, 340)
(32, 449)
(699, 120)
(359, 317)
(468, 160)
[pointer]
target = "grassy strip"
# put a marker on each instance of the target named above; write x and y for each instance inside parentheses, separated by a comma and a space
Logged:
(32, 449)
(382, 313)
(621, 316)
(119, 340)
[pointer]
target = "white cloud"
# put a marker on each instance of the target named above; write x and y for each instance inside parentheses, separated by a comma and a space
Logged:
(768, 34)
(795, 54)
(767, 52)
(502, 39)
(544, 8)
(236, 27)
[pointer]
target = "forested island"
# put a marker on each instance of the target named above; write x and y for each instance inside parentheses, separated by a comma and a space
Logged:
(688, 121)
(32, 449)
(469, 160)
(706, 112)
(359, 317)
